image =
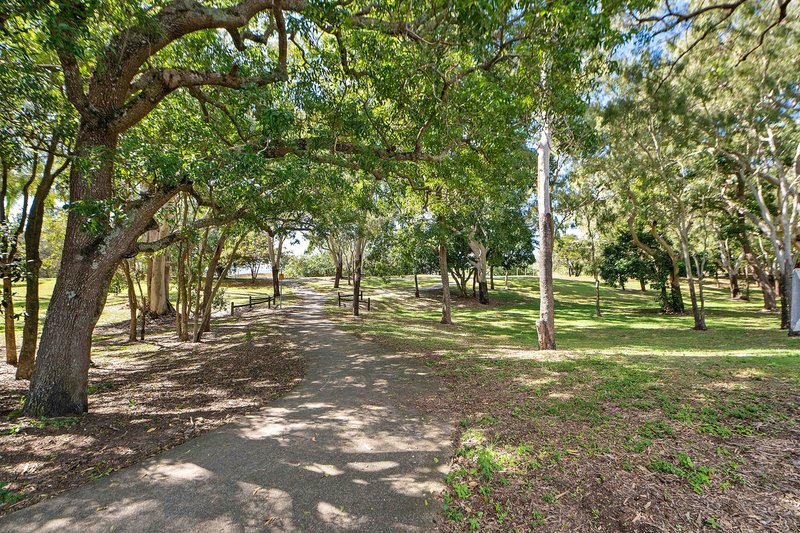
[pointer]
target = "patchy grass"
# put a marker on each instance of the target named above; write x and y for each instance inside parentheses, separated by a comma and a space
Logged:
(636, 423)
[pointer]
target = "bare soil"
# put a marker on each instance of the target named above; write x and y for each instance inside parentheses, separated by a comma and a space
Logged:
(144, 397)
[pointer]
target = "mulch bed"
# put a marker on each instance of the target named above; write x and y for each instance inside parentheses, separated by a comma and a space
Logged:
(143, 398)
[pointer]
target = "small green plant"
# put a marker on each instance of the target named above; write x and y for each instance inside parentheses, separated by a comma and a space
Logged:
(713, 522)
(13, 430)
(627, 465)
(549, 497)
(697, 476)
(655, 429)
(8, 497)
(537, 518)
(462, 490)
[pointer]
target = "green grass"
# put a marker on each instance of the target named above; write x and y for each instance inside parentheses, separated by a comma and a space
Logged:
(116, 308)
(630, 324)
(632, 398)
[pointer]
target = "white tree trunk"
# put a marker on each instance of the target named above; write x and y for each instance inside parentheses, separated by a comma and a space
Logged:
(545, 326)
(157, 275)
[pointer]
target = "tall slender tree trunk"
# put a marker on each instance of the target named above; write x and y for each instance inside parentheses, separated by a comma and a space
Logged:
(767, 289)
(8, 315)
(491, 277)
(183, 293)
(746, 294)
(443, 271)
(479, 250)
(358, 257)
(132, 303)
(275, 252)
(545, 326)
(593, 257)
(786, 297)
(338, 275)
(33, 262)
(202, 319)
(699, 319)
(792, 300)
(416, 286)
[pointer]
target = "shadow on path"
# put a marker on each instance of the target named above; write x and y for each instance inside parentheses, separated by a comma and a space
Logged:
(343, 452)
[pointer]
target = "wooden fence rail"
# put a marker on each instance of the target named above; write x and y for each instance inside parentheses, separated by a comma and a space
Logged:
(349, 298)
(269, 300)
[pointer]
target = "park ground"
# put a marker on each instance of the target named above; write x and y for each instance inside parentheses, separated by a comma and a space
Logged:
(635, 423)
(144, 397)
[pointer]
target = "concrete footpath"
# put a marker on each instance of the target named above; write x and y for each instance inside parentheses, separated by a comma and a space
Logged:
(342, 452)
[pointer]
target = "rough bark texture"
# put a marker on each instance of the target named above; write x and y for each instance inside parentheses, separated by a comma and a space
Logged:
(119, 93)
(545, 326)
(446, 316)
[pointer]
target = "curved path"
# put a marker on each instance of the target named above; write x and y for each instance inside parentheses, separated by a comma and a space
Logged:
(344, 451)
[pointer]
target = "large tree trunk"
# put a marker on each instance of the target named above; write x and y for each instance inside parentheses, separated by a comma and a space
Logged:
(545, 326)
(158, 276)
(61, 370)
(443, 271)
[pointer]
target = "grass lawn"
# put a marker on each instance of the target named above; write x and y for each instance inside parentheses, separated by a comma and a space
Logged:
(116, 308)
(635, 423)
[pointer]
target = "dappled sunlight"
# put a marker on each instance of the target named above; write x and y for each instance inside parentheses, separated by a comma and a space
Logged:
(346, 442)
